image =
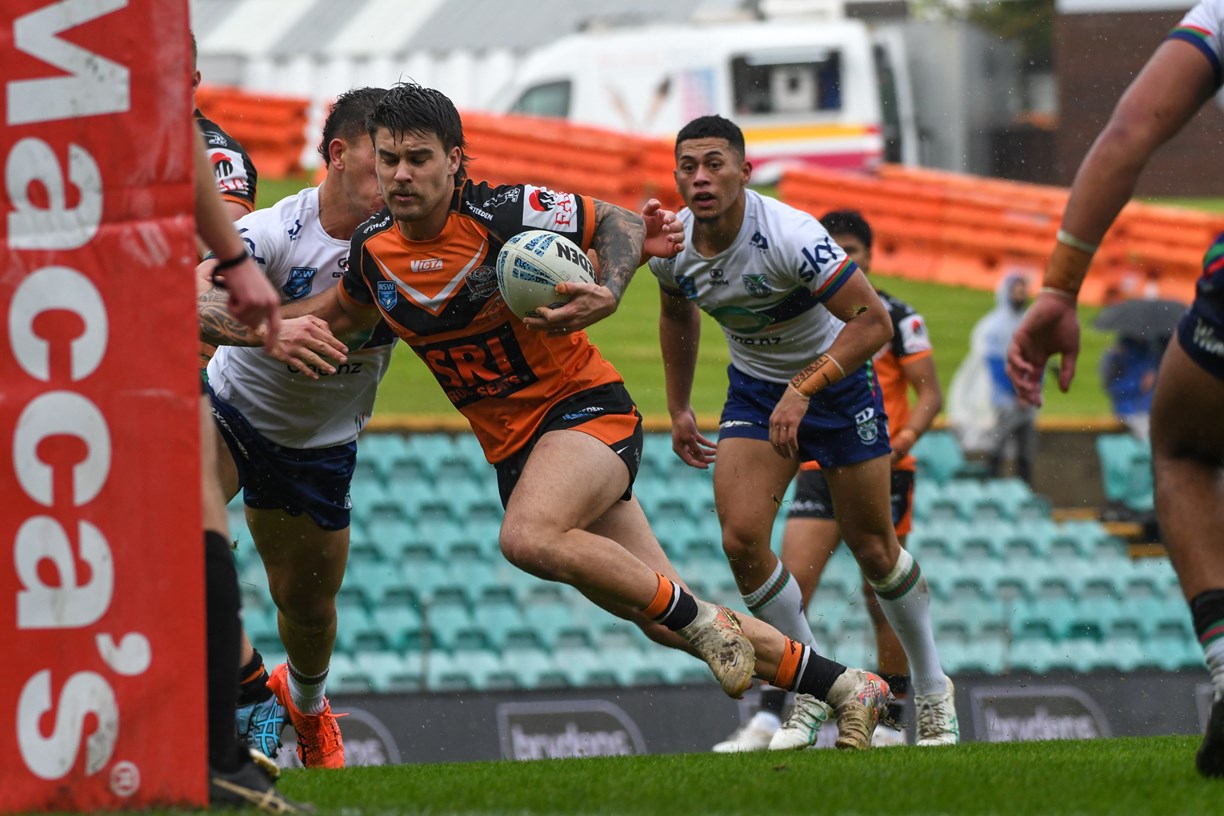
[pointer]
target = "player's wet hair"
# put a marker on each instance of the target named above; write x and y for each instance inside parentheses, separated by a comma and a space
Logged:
(848, 222)
(712, 127)
(347, 117)
(411, 108)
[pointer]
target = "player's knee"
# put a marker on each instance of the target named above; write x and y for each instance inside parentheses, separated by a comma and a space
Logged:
(527, 548)
(876, 555)
(740, 544)
(306, 610)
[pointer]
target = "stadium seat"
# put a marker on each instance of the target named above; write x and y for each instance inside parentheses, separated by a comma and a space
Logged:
(345, 676)
(445, 615)
(401, 626)
(939, 456)
(387, 671)
(498, 615)
(1126, 470)
(357, 631)
(426, 574)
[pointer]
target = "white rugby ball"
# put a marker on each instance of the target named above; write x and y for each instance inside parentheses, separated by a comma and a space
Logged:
(532, 263)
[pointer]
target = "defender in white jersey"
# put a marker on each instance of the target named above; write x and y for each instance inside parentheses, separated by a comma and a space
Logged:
(802, 323)
(1187, 431)
(290, 425)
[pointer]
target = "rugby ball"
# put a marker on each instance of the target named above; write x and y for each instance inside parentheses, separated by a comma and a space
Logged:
(532, 263)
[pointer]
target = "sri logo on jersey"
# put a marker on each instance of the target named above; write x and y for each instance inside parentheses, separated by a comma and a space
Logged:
(867, 425)
(388, 295)
(756, 285)
(301, 278)
(549, 210)
(759, 241)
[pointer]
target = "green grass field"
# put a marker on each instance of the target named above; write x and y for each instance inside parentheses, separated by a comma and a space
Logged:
(630, 340)
(1153, 775)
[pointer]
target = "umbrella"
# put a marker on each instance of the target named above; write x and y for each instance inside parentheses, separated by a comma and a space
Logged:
(1143, 319)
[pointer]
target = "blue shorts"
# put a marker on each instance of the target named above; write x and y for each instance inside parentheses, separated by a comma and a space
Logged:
(845, 423)
(1201, 330)
(314, 481)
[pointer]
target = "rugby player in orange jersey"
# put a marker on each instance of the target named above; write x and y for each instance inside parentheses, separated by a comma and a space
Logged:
(552, 415)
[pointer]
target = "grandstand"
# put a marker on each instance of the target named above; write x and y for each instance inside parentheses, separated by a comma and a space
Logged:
(429, 604)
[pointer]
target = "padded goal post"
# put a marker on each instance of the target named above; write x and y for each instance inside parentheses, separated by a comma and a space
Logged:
(101, 578)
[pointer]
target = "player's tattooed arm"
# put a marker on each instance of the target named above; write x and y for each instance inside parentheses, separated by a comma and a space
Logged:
(617, 242)
(218, 326)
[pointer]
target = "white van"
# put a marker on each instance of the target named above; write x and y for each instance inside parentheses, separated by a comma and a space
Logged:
(816, 92)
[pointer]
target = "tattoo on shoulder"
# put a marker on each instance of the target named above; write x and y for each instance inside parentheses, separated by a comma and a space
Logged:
(618, 239)
(218, 326)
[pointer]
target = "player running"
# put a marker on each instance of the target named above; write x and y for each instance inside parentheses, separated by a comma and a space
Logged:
(552, 415)
(290, 424)
(231, 166)
(1187, 435)
(811, 534)
(784, 293)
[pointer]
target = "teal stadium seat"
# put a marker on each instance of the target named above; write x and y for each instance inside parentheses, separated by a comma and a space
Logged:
(939, 456)
(401, 626)
(1126, 469)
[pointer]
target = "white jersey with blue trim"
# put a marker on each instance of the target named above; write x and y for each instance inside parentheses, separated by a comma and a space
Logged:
(290, 409)
(767, 289)
(1203, 27)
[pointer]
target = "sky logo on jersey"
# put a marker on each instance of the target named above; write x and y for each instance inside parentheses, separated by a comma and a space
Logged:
(759, 241)
(388, 295)
(814, 260)
(756, 285)
(301, 278)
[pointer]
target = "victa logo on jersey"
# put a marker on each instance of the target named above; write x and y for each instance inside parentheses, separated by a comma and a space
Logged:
(426, 265)
(301, 278)
(388, 295)
(547, 209)
(718, 277)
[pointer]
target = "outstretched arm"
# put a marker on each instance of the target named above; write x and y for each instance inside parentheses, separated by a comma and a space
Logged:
(1170, 89)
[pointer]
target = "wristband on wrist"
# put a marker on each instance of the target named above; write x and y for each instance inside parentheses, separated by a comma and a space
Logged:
(232, 262)
(824, 371)
(1061, 294)
(1067, 269)
(1064, 237)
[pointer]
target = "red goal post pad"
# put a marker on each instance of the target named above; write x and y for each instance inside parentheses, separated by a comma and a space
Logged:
(101, 579)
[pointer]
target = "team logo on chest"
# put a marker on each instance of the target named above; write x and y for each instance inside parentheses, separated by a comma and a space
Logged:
(301, 278)
(756, 285)
(388, 296)
(481, 282)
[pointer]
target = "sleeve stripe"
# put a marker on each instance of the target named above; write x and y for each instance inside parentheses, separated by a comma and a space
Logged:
(1198, 38)
(836, 280)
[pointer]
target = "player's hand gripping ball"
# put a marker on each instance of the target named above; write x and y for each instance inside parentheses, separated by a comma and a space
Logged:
(532, 263)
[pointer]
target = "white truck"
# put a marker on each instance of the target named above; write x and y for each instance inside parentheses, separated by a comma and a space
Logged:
(826, 92)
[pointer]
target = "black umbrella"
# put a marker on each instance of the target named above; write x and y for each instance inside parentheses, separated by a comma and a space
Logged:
(1144, 319)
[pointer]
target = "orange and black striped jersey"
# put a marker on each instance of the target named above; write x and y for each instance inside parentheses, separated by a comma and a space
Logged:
(441, 297)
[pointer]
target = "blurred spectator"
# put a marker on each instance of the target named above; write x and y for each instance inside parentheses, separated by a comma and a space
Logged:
(1128, 374)
(983, 407)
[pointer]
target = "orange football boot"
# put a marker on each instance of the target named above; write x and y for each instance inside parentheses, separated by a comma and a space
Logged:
(319, 744)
